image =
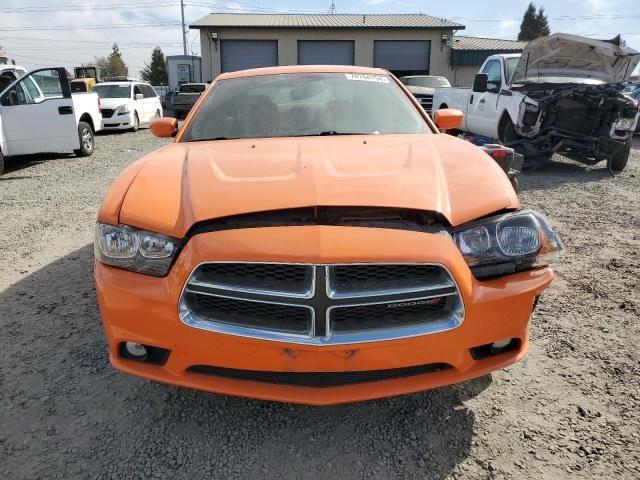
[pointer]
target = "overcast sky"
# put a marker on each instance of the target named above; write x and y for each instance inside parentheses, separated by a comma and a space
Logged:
(70, 32)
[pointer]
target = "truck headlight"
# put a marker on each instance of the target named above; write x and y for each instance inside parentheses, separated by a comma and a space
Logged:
(507, 243)
(137, 250)
(123, 110)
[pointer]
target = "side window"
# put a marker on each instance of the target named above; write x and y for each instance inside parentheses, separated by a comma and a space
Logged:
(35, 87)
(136, 91)
(148, 91)
(494, 76)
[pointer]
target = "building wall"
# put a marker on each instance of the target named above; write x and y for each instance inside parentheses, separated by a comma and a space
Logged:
(463, 76)
(288, 44)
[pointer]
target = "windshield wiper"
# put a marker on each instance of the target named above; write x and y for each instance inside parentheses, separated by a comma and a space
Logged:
(327, 133)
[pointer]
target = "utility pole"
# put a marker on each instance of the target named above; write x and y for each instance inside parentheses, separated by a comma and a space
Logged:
(184, 32)
(332, 9)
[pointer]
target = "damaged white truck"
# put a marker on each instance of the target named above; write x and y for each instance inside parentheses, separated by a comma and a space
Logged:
(561, 95)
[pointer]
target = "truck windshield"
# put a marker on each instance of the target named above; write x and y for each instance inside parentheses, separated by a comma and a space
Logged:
(190, 88)
(113, 91)
(511, 64)
(306, 104)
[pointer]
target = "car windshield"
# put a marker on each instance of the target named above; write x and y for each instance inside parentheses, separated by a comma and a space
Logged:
(295, 105)
(430, 82)
(113, 91)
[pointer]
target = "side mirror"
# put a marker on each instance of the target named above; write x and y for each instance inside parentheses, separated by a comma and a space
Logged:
(164, 127)
(139, 96)
(13, 97)
(449, 118)
(480, 82)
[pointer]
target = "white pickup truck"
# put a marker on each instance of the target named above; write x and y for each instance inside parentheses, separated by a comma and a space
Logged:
(39, 114)
(561, 95)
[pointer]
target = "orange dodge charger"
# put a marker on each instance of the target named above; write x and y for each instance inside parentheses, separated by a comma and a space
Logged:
(310, 236)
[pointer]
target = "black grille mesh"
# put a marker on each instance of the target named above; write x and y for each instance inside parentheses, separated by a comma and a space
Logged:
(355, 278)
(386, 315)
(107, 112)
(262, 276)
(251, 314)
(318, 379)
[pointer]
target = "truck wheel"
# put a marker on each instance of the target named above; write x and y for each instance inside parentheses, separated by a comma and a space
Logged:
(85, 135)
(1, 163)
(619, 161)
(136, 122)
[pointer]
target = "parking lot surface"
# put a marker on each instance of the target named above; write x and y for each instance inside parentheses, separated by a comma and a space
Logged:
(569, 410)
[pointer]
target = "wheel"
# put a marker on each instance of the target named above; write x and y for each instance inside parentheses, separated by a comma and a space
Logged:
(515, 184)
(156, 116)
(85, 135)
(619, 161)
(1, 163)
(136, 122)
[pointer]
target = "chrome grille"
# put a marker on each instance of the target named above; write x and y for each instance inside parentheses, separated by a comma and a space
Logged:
(426, 101)
(321, 304)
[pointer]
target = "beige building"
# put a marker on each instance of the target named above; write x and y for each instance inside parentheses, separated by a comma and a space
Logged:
(412, 44)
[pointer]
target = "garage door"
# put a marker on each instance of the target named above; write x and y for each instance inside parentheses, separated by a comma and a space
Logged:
(244, 54)
(402, 55)
(325, 52)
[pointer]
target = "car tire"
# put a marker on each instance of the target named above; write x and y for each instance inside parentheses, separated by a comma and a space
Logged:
(1, 163)
(618, 162)
(136, 122)
(156, 116)
(87, 141)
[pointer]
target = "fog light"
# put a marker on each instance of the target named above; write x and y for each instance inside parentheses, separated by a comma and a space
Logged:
(500, 344)
(135, 350)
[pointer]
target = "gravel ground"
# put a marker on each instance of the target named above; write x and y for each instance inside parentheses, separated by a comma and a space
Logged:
(569, 410)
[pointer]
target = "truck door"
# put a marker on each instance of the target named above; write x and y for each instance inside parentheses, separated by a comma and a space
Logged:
(482, 111)
(37, 114)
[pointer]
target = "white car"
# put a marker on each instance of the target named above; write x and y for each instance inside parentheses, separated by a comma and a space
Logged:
(127, 105)
(38, 114)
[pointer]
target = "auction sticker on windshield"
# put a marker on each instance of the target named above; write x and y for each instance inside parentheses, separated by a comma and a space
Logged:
(367, 77)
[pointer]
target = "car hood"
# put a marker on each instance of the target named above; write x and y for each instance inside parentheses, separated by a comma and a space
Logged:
(571, 56)
(185, 183)
(421, 90)
(113, 102)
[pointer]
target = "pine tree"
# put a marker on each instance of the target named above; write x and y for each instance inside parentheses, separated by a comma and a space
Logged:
(156, 72)
(534, 24)
(542, 23)
(115, 64)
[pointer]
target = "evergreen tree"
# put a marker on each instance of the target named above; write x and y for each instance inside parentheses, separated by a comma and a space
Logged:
(542, 23)
(156, 72)
(115, 64)
(534, 24)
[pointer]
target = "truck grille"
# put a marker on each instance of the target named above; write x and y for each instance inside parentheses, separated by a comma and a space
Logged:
(321, 304)
(107, 112)
(426, 101)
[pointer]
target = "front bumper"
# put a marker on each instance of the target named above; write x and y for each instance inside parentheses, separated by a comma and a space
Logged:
(144, 309)
(118, 122)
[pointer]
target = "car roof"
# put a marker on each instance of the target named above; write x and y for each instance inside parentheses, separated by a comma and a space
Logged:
(255, 72)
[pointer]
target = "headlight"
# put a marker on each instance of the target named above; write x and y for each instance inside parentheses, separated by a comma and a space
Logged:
(625, 123)
(136, 250)
(507, 243)
(123, 109)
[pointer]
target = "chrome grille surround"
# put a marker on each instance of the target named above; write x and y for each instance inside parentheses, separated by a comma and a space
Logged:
(323, 300)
